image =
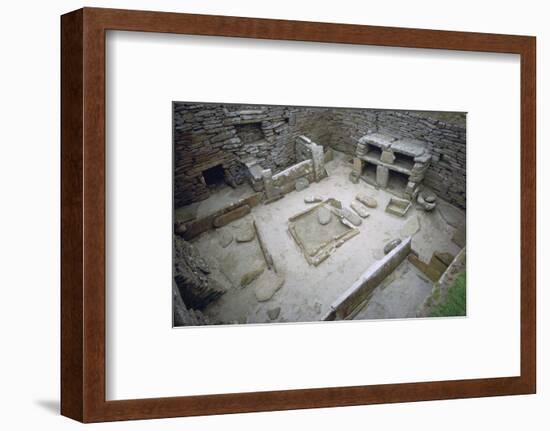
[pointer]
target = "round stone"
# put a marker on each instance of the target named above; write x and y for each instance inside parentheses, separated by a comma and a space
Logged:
(324, 215)
(367, 200)
(429, 197)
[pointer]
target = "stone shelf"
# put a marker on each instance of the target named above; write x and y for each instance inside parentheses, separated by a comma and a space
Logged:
(398, 166)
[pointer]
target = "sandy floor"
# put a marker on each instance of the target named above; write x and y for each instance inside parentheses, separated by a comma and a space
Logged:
(308, 291)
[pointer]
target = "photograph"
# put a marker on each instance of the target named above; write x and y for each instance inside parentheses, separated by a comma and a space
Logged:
(287, 214)
(266, 215)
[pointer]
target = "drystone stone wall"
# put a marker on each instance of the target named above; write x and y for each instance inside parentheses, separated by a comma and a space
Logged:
(239, 137)
(446, 142)
(193, 276)
(348, 126)
(446, 174)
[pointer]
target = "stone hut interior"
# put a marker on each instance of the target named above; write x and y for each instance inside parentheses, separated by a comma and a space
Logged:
(298, 214)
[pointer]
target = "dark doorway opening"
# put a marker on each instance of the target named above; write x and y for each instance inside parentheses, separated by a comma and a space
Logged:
(214, 176)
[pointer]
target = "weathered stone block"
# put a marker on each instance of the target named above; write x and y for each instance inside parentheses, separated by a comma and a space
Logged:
(360, 209)
(367, 200)
(387, 157)
(301, 184)
(354, 177)
(382, 176)
(358, 165)
(230, 216)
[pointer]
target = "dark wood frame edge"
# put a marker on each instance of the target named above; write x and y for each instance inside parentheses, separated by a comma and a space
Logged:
(83, 214)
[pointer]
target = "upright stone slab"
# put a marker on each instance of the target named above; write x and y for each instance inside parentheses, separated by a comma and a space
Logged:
(306, 149)
(411, 190)
(382, 176)
(269, 188)
(358, 165)
(387, 157)
(318, 158)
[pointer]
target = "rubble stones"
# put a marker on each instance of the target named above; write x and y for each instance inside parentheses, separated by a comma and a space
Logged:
(367, 200)
(360, 209)
(184, 316)
(192, 276)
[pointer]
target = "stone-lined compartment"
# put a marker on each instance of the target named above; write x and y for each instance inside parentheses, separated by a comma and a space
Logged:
(358, 293)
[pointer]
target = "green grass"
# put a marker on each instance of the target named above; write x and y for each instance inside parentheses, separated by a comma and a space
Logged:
(455, 303)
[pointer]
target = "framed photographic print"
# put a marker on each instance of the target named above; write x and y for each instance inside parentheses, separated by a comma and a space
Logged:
(267, 215)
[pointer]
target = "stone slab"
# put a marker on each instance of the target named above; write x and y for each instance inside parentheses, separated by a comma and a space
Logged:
(382, 176)
(367, 200)
(360, 209)
(355, 296)
(230, 216)
(246, 233)
(409, 147)
(301, 184)
(387, 157)
(324, 215)
(379, 140)
(267, 285)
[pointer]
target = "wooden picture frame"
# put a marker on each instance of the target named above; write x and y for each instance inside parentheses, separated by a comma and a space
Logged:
(83, 386)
